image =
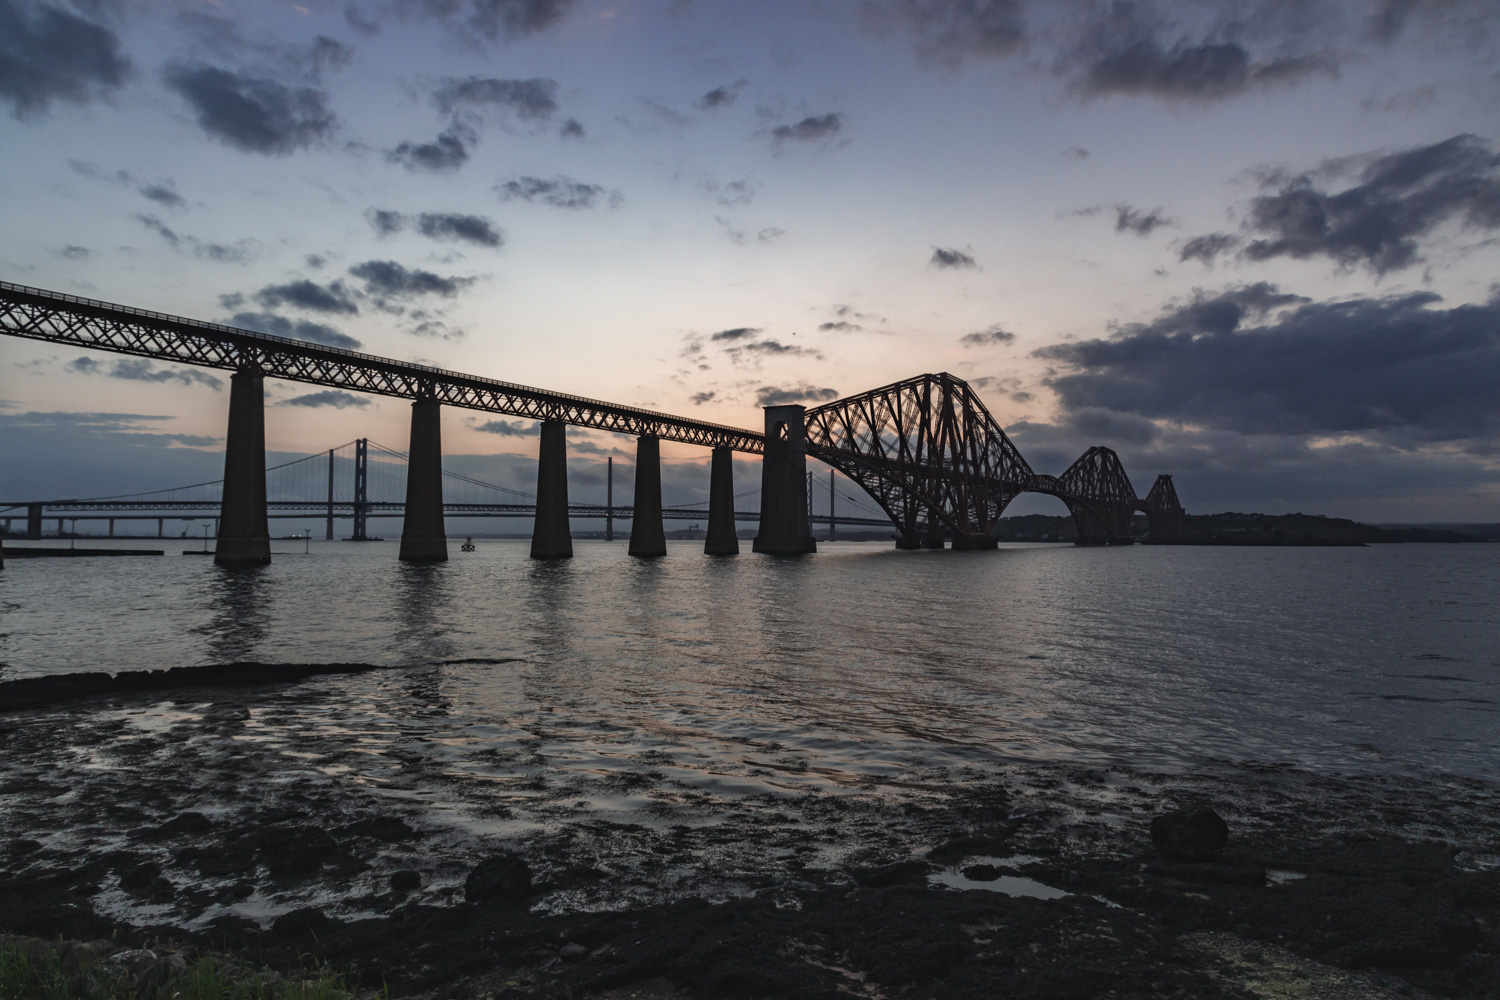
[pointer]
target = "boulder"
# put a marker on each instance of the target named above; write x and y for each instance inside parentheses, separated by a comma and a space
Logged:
(306, 920)
(139, 878)
(499, 877)
(1194, 833)
(288, 850)
(405, 881)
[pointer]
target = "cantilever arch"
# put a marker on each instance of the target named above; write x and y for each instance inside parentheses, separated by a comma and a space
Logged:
(244, 535)
(551, 537)
(647, 536)
(423, 534)
(783, 485)
(721, 540)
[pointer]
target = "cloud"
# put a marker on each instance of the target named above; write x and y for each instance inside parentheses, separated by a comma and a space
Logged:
(309, 295)
(770, 395)
(335, 398)
(1075, 153)
(1377, 222)
(1253, 360)
(74, 252)
(1207, 247)
(237, 253)
(508, 428)
(154, 224)
(987, 338)
(1120, 53)
(948, 258)
(491, 19)
(559, 192)
(721, 97)
(446, 153)
(699, 398)
(737, 334)
(163, 195)
(571, 129)
(839, 326)
(947, 32)
(50, 54)
(388, 279)
(809, 129)
(732, 193)
(474, 229)
(143, 370)
(253, 114)
(301, 329)
(530, 100)
(385, 222)
(1130, 220)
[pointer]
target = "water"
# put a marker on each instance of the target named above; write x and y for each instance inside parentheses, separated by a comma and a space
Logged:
(859, 665)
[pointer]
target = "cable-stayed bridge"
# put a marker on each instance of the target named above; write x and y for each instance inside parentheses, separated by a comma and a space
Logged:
(925, 450)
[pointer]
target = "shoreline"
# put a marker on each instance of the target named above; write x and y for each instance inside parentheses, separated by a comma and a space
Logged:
(182, 828)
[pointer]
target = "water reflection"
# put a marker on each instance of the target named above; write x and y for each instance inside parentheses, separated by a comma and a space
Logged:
(550, 605)
(239, 603)
(423, 599)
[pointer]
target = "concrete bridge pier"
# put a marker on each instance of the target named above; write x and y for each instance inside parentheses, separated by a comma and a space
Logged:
(244, 536)
(932, 540)
(721, 540)
(550, 536)
(974, 542)
(33, 520)
(648, 538)
(423, 534)
(783, 485)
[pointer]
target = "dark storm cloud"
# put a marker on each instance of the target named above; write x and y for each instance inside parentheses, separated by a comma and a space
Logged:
(560, 192)
(309, 295)
(448, 152)
(50, 54)
(1123, 52)
(507, 428)
(1131, 220)
(388, 279)
(447, 226)
(300, 329)
(385, 222)
(253, 114)
(335, 398)
(987, 338)
(737, 334)
(809, 129)
(492, 19)
(143, 370)
(949, 31)
(1254, 360)
(530, 100)
(949, 258)
(770, 395)
(1377, 222)
(1207, 247)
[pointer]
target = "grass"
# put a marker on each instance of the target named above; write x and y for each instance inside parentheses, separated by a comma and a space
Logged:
(36, 971)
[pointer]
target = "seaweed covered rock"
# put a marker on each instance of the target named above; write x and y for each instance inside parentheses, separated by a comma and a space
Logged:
(1194, 833)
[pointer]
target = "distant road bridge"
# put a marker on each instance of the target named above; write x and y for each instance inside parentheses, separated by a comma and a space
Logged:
(925, 449)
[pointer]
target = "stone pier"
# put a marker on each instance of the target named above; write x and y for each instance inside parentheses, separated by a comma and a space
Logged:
(423, 535)
(244, 536)
(551, 537)
(721, 540)
(33, 520)
(783, 485)
(647, 536)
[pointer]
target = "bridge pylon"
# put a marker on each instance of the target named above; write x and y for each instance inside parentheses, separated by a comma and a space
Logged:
(244, 535)
(784, 528)
(424, 537)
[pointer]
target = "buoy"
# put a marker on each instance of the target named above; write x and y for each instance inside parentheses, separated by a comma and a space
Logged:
(468, 545)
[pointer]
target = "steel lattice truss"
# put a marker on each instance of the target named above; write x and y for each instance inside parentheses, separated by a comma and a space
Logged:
(927, 450)
(66, 319)
(931, 455)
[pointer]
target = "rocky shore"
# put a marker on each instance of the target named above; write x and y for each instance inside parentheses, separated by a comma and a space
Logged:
(138, 823)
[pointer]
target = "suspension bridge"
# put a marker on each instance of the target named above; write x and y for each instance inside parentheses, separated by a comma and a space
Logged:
(924, 450)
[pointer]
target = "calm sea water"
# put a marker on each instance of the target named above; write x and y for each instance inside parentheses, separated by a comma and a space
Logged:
(855, 664)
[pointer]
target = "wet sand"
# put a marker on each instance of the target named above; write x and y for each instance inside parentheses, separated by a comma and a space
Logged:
(165, 817)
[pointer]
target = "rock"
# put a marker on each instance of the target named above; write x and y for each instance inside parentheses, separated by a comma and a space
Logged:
(405, 881)
(502, 876)
(23, 846)
(981, 873)
(289, 850)
(898, 873)
(958, 848)
(386, 828)
(307, 920)
(1195, 833)
(574, 952)
(139, 878)
(186, 823)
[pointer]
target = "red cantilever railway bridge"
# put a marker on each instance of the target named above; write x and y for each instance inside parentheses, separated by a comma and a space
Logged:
(926, 449)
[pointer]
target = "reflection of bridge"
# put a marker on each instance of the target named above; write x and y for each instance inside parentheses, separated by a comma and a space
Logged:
(925, 449)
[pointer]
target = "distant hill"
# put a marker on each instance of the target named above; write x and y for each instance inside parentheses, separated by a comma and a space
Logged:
(1232, 528)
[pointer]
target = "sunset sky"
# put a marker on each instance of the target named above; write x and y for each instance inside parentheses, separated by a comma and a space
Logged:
(1251, 244)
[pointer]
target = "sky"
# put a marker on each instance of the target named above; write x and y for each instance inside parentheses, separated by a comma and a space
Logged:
(1252, 244)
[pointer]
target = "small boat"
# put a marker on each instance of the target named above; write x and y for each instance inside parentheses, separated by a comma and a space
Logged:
(468, 545)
